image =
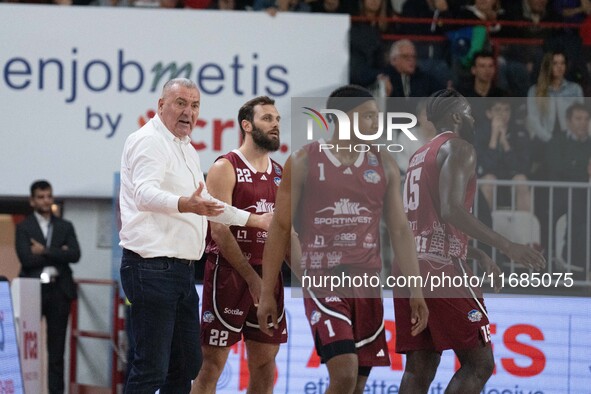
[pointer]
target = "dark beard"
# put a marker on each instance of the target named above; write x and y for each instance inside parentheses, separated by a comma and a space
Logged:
(263, 141)
(467, 132)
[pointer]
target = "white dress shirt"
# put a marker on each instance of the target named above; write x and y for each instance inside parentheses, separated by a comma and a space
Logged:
(157, 169)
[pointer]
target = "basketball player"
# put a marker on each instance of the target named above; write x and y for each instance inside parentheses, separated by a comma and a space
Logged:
(246, 178)
(438, 197)
(340, 195)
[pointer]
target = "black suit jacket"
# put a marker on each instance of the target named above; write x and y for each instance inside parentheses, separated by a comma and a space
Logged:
(56, 255)
(421, 83)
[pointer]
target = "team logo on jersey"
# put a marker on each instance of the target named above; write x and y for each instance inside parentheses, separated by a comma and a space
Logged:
(277, 169)
(315, 318)
(345, 207)
(277, 181)
(369, 242)
(474, 316)
(262, 206)
(318, 242)
(344, 213)
(372, 160)
(315, 260)
(208, 317)
(371, 176)
(333, 259)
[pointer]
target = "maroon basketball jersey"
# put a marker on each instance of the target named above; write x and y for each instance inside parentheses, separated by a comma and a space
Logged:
(340, 209)
(435, 239)
(253, 192)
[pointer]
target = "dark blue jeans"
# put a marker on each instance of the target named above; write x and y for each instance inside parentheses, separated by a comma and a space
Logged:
(164, 323)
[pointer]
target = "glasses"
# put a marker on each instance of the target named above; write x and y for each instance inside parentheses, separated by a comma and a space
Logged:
(407, 56)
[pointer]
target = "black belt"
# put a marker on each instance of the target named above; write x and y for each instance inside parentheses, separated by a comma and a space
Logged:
(171, 259)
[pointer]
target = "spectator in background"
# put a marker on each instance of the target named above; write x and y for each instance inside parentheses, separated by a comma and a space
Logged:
(367, 59)
(547, 102)
(46, 246)
(572, 11)
(406, 78)
(487, 11)
(569, 152)
(433, 57)
(468, 40)
(569, 159)
(330, 6)
(481, 85)
(483, 71)
(503, 153)
(519, 64)
(572, 40)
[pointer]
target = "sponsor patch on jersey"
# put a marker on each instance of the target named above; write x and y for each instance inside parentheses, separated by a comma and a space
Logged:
(277, 169)
(368, 242)
(371, 176)
(235, 312)
(315, 318)
(277, 180)
(372, 160)
(208, 317)
(474, 316)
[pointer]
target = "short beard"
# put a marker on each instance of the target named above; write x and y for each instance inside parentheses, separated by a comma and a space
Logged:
(263, 141)
(466, 132)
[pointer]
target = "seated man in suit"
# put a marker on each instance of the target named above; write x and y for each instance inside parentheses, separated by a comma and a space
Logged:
(46, 245)
(406, 79)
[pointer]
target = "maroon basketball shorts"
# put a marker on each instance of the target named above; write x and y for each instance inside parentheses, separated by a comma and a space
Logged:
(344, 325)
(228, 309)
(457, 315)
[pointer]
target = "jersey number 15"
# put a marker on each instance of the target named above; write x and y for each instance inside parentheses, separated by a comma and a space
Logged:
(411, 190)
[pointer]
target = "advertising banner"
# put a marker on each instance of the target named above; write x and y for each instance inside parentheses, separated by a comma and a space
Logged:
(76, 81)
(540, 346)
(10, 368)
